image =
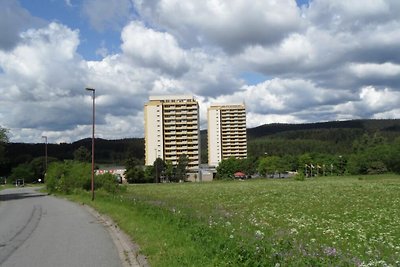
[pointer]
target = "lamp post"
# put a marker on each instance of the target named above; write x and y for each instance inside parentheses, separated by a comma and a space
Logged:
(45, 154)
(93, 120)
(156, 165)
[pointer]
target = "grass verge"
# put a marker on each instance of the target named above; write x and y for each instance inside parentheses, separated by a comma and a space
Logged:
(340, 221)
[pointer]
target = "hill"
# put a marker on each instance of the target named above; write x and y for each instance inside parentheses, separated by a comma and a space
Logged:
(335, 137)
(364, 125)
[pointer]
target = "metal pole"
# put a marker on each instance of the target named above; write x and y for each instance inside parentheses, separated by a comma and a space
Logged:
(45, 154)
(93, 123)
(155, 166)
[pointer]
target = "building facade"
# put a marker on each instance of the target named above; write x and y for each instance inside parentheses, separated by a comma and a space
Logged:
(172, 129)
(226, 132)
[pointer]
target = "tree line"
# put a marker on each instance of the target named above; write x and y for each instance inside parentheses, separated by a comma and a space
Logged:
(369, 154)
(354, 147)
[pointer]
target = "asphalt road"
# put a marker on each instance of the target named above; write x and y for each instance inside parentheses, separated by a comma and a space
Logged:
(41, 230)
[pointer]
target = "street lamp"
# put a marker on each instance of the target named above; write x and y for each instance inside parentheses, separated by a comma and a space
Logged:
(45, 154)
(156, 165)
(93, 120)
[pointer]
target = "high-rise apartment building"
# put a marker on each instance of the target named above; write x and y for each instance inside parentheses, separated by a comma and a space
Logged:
(226, 132)
(172, 129)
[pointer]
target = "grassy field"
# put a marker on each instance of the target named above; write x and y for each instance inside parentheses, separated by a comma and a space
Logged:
(330, 221)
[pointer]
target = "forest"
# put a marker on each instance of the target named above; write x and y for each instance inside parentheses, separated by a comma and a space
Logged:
(359, 146)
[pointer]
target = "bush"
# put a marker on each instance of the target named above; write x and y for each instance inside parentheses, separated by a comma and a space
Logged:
(299, 177)
(54, 173)
(64, 177)
(108, 182)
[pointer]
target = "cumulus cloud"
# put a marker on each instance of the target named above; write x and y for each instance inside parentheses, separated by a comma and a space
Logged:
(13, 19)
(153, 49)
(43, 66)
(231, 25)
(379, 100)
(328, 60)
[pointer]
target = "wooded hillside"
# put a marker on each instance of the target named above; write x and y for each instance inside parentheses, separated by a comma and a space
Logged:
(336, 137)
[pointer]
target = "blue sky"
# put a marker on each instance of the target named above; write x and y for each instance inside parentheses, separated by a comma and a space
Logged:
(289, 61)
(72, 16)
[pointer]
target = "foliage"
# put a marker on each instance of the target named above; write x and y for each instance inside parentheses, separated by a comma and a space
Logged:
(299, 176)
(248, 165)
(107, 182)
(136, 175)
(227, 168)
(68, 176)
(134, 172)
(82, 154)
(132, 162)
(393, 159)
(3, 140)
(181, 168)
(158, 166)
(169, 171)
(371, 155)
(23, 171)
(149, 173)
(271, 165)
(3, 135)
(323, 142)
(107, 151)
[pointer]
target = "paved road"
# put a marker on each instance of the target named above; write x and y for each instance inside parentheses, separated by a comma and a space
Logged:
(41, 230)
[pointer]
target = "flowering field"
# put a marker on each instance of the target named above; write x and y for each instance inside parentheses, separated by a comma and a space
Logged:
(352, 221)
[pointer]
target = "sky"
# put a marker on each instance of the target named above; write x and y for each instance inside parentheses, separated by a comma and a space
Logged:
(288, 61)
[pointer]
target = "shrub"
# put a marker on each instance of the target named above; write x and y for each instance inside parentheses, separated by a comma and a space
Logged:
(299, 177)
(67, 176)
(106, 181)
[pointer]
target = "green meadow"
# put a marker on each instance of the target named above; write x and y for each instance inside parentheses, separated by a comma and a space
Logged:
(325, 221)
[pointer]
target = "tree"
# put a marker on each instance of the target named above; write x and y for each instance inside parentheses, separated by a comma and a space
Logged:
(181, 171)
(23, 171)
(158, 166)
(248, 165)
(227, 167)
(393, 159)
(134, 171)
(372, 155)
(132, 162)
(149, 173)
(3, 135)
(170, 171)
(136, 175)
(305, 161)
(271, 165)
(3, 140)
(82, 154)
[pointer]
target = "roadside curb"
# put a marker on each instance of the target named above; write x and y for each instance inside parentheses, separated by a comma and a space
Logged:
(127, 250)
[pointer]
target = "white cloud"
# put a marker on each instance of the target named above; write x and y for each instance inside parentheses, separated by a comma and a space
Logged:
(377, 70)
(254, 119)
(379, 100)
(231, 25)
(372, 103)
(329, 60)
(153, 49)
(13, 19)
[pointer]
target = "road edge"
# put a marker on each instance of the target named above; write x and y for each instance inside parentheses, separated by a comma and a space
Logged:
(128, 251)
